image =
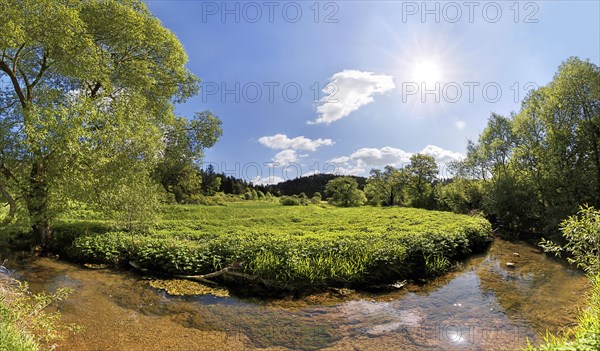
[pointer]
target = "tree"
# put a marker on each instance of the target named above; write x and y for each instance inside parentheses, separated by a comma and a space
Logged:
(460, 195)
(344, 192)
(387, 187)
(542, 163)
(185, 141)
(422, 171)
(91, 89)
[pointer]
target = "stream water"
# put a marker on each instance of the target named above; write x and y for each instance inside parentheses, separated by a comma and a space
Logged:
(484, 305)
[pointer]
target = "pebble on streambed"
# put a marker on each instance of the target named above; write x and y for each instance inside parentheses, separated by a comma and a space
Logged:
(181, 287)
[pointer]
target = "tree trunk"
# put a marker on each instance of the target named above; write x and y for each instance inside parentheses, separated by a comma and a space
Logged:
(37, 203)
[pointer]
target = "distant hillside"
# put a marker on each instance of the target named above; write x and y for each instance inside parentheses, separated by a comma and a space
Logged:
(308, 185)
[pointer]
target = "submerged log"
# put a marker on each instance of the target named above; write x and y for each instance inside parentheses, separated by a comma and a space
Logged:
(231, 271)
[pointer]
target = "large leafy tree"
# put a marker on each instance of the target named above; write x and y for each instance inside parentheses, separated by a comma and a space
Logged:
(541, 164)
(422, 172)
(178, 170)
(387, 186)
(90, 91)
(344, 192)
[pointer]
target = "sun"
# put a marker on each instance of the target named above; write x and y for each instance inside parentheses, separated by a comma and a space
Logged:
(426, 71)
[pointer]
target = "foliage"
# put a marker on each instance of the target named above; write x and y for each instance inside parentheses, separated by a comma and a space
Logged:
(541, 163)
(422, 171)
(344, 192)
(583, 245)
(293, 246)
(185, 142)
(582, 235)
(293, 200)
(135, 203)
(460, 195)
(309, 185)
(387, 187)
(91, 88)
(24, 323)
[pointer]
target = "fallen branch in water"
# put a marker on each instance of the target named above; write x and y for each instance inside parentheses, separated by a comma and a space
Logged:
(231, 271)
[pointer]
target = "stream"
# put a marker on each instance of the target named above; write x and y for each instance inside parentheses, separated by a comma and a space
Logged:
(482, 305)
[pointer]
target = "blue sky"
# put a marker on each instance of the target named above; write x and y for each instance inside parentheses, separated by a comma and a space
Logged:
(347, 86)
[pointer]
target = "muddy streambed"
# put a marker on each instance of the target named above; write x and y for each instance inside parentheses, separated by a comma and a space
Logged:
(484, 305)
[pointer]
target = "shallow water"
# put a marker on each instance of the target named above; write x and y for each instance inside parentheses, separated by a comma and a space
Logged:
(485, 305)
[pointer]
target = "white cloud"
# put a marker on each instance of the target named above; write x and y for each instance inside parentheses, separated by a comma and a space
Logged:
(284, 157)
(349, 170)
(460, 125)
(338, 160)
(258, 180)
(348, 91)
(282, 141)
(364, 159)
(381, 157)
(441, 156)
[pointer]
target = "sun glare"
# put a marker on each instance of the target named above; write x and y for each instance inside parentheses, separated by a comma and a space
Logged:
(426, 72)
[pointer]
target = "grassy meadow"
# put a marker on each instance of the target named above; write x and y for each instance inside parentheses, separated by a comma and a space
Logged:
(288, 246)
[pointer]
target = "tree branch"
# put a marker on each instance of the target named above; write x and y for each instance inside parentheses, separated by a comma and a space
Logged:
(15, 82)
(43, 67)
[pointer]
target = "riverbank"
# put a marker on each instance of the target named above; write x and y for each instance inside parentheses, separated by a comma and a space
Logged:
(284, 248)
(586, 334)
(483, 305)
(12, 338)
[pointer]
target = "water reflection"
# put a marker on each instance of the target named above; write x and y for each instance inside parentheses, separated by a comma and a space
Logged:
(484, 306)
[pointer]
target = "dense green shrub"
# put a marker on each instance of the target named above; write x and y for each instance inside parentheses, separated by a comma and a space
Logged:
(293, 200)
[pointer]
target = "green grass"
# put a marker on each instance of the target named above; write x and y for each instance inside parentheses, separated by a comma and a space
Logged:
(25, 325)
(586, 335)
(291, 246)
(11, 339)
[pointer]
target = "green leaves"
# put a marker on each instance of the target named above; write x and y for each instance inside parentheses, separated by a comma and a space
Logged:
(541, 164)
(91, 102)
(344, 192)
(295, 246)
(582, 235)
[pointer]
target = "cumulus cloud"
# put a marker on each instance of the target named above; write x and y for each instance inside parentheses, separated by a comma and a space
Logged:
(380, 157)
(460, 125)
(366, 158)
(285, 157)
(282, 141)
(348, 91)
(441, 156)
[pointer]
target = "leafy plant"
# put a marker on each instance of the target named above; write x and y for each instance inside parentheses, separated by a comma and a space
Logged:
(582, 235)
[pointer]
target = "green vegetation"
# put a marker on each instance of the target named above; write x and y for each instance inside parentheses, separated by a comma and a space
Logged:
(582, 234)
(24, 326)
(88, 108)
(344, 192)
(289, 247)
(539, 165)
